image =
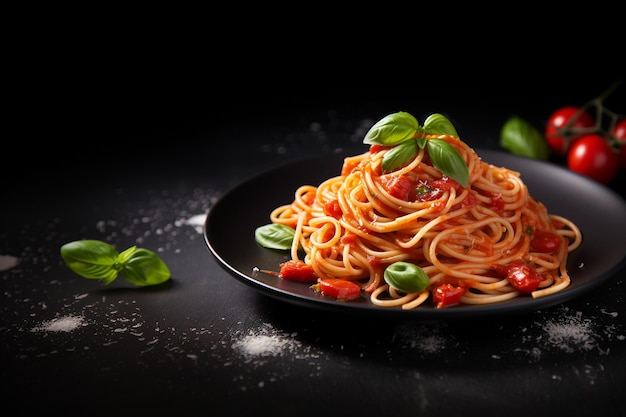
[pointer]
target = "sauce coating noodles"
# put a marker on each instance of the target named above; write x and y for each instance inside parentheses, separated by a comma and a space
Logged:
(356, 224)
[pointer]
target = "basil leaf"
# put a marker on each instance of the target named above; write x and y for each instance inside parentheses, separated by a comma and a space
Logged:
(448, 160)
(521, 138)
(406, 277)
(399, 155)
(421, 141)
(392, 129)
(438, 124)
(91, 259)
(399, 128)
(125, 256)
(144, 268)
(275, 236)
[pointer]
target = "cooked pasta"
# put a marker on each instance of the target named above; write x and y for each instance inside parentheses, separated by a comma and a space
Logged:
(355, 225)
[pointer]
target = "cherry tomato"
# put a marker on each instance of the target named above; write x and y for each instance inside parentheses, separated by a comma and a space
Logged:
(333, 209)
(297, 271)
(339, 288)
(400, 187)
(592, 156)
(523, 277)
(558, 142)
(447, 295)
(545, 242)
(619, 132)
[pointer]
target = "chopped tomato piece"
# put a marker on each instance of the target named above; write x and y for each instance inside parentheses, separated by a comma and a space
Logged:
(400, 187)
(545, 242)
(522, 276)
(374, 261)
(445, 184)
(432, 190)
(297, 271)
(339, 288)
(468, 201)
(333, 209)
(446, 295)
(428, 193)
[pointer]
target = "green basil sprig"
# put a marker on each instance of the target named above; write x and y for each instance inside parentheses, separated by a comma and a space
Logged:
(402, 131)
(521, 138)
(275, 236)
(94, 259)
(406, 277)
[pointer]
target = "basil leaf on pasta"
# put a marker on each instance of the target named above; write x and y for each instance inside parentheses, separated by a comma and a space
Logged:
(438, 124)
(399, 155)
(406, 277)
(448, 160)
(392, 129)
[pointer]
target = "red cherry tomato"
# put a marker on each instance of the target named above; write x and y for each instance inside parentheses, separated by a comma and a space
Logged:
(561, 119)
(400, 187)
(339, 288)
(545, 242)
(592, 156)
(297, 271)
(447, 295)
(333, 209)
(523, 277)
(619, 132)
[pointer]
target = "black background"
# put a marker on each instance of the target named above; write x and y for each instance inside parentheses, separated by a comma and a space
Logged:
(119, 117)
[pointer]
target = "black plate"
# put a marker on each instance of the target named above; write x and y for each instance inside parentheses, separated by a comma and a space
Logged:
(598, 211)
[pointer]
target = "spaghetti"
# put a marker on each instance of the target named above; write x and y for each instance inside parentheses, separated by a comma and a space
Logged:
(483, 242)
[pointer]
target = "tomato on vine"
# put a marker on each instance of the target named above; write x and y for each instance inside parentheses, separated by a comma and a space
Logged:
(619, 133)
(594, 146)
(561, 125)
(592, 156)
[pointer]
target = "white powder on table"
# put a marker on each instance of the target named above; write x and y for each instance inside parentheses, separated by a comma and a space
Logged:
(264, 342)
(261, 345)
(61, 324)
(570, 333)
(197, 221)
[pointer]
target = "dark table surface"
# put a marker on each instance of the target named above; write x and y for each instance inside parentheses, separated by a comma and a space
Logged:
(206, 343)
